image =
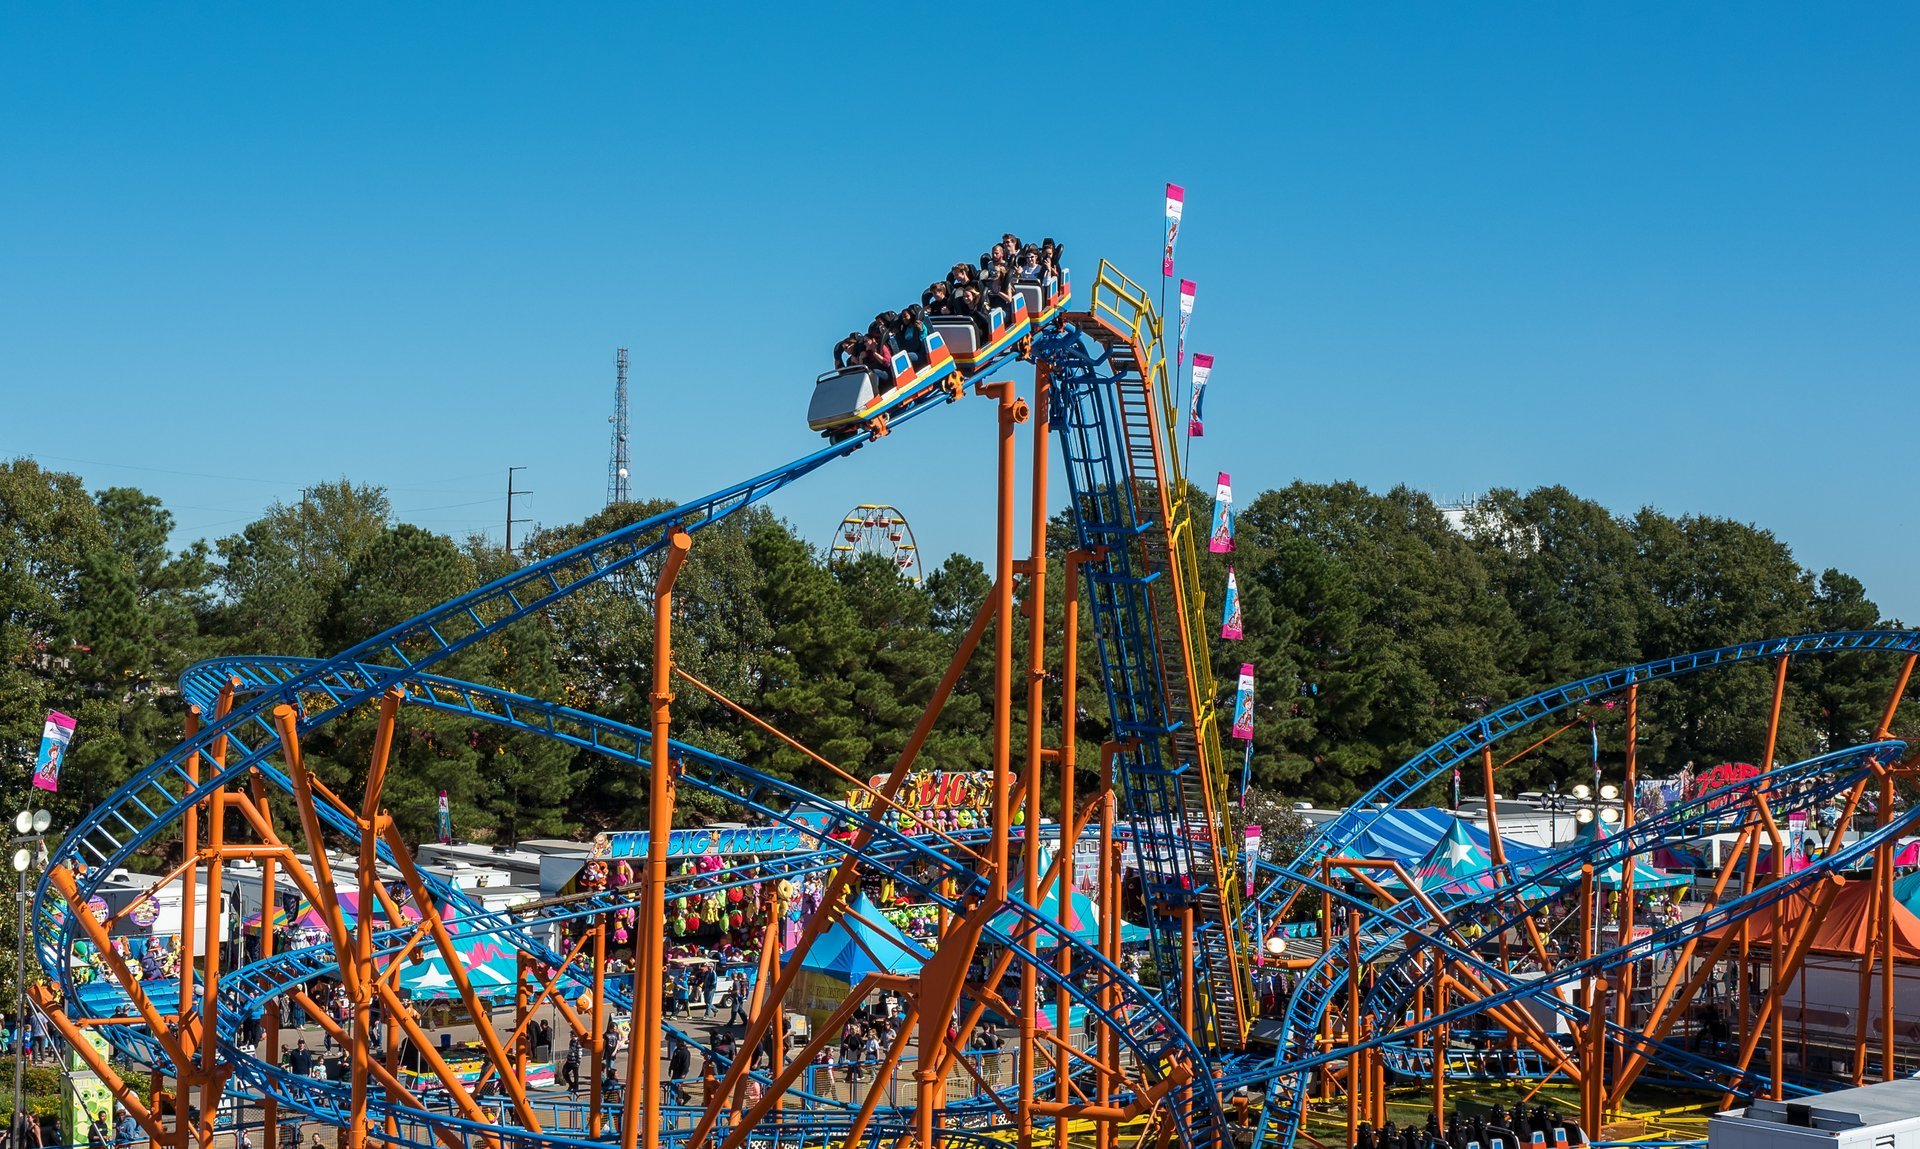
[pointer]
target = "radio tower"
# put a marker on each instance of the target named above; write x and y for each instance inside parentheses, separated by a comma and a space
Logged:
(617, 457)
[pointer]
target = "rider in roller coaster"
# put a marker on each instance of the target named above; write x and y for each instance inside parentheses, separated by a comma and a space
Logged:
(965, 292)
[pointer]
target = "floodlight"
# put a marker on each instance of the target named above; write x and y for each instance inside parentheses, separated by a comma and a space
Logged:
(1609, 792)
(1583, 815)
(1276, 946)
(22, 858)
(1609, 815)
(41, 820)
(1581, 792)
(23, 822)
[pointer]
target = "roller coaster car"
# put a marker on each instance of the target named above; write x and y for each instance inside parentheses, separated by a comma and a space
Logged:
(1045, 301)
(969, 350)
(853, 397)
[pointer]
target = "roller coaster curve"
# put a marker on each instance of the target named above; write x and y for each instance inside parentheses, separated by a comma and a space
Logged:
(1102, 372)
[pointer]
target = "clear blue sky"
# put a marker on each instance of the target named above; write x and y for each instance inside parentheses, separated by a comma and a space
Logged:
(1663, 254)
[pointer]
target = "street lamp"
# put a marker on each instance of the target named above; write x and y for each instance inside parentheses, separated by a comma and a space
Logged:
(29, 826)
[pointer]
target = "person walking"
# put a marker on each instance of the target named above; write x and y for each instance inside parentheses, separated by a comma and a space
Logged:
(738, 1006)
(570, 1071)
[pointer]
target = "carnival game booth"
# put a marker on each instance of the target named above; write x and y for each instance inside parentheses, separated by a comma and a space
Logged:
(861, 942)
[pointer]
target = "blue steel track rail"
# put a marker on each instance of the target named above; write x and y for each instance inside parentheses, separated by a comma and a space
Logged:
(156, 797)
(1397, 926)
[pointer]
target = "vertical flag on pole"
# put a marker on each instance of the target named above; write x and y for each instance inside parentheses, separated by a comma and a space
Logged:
(1252, 845)
(1230, 611)
(1202, 367)
(1220, 538)
(1176, 201)
(1243, 703)
(1186, 313)
(446, 819)
(1246, 780)
(54, 737)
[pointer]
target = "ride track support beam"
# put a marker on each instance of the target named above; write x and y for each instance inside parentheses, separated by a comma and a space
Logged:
(1774, 1004)
(848, 872)
(1036, 610)
(640, 1115)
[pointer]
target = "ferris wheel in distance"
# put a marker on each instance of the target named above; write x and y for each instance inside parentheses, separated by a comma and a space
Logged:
(878, 529)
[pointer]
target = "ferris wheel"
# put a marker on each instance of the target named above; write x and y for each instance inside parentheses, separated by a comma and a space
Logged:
(878, 529)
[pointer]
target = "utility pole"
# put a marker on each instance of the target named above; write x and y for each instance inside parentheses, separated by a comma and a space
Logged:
(510, 519)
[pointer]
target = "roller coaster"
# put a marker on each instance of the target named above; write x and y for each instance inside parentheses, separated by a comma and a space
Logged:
(1395, 972)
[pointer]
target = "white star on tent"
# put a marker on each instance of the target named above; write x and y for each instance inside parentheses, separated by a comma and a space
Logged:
(434, 978)
(1459, 851)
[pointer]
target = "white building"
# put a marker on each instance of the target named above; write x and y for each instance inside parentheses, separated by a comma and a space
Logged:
(1881, 1116)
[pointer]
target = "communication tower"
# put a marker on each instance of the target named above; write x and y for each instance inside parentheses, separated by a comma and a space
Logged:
(617, 477)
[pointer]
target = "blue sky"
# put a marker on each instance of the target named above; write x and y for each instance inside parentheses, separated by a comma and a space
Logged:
(1663, 254)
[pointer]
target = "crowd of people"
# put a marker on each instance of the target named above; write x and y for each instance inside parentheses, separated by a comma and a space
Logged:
(967, 292)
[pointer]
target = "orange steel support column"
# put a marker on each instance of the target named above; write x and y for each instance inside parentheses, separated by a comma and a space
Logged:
(1441, 1040)
(1776, 947)
(1626, 869)
(1036, 708)
(1109, 949)
(189, 925)
(1590, 1097)
(1355, 1058)
(209, 1077)
(270, 1021)
(1012, 411)
(363, 928)
(1883, 879)
(640, 1116)
(1069, 799)
(597, 1040)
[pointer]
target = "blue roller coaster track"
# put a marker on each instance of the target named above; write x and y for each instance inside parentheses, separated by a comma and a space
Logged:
(1102, 411)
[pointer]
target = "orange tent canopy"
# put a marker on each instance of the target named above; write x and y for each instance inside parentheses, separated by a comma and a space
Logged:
(1846, 928)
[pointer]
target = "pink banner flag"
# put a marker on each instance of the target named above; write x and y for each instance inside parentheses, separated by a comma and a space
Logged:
(1230, 613)
(1243, 703)
(1220, 538)
(1202, 368)
(54, 737)
(1176, 202)
(1186, 313)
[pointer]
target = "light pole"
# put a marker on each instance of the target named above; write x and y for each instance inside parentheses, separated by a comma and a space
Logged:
(29, 826)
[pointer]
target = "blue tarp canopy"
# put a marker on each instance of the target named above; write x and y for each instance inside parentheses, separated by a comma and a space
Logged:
(851, 949)
(1906, 891)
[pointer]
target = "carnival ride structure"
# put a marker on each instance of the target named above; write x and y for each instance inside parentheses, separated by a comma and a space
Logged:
(1382, 994)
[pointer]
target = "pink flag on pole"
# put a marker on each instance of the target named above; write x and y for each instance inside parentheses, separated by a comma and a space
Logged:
(54, 737)
(1202, 367)
(1186, 313)
(1220, 538)
(1230, 613)
(1243, 703)
(1176, 202)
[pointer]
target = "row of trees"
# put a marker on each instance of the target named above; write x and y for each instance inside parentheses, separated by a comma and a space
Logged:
(1376, 626)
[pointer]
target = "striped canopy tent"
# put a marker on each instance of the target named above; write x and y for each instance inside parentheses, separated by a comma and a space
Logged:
(309, 916)
(1456, 865)
(1408, 836)
(489, 965)
(280, 919)
(1083, 917)
(1610, 873)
